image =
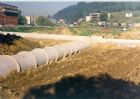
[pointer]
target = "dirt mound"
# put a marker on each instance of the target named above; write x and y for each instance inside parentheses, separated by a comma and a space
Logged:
(9, 38)
(11, 44)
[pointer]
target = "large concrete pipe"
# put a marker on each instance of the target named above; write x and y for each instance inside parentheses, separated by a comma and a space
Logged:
(122, 42)
(74, 48)
(8, 64)
(79, 46)
(52, 54)
(60, 50)
(50, 36)
(41, 56)
(26, 60)
(96, 39)
(67, 48)
(88, 44)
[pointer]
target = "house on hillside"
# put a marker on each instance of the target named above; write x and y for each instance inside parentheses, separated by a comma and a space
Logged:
(93, 17)
(88, 18)
(128, 15)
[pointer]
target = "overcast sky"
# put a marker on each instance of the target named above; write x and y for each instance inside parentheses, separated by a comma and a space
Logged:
(40, 8)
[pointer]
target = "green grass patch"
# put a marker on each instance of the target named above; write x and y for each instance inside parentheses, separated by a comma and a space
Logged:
(86, 33)
(28, 29)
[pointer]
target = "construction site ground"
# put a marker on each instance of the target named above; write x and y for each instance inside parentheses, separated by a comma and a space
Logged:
(103, 71)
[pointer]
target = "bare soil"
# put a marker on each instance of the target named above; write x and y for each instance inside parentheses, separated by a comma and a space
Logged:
(102, 72)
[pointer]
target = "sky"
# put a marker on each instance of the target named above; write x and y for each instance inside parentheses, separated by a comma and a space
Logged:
(47, 7)
(42, 8)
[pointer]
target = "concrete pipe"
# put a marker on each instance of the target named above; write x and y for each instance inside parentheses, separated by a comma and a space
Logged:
(80, 46)
(74, 48)
(88, 44)
(60, 50)
(52, 54)
(41, 56)
(8, 64)
(85, 45)
(67, 48)
(26, 60)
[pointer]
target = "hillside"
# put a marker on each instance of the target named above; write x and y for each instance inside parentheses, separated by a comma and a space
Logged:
(82, 9)
(120, 17)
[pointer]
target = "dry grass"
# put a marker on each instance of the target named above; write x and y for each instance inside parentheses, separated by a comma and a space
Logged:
(58, 30)
(17, 46)
(131, 34)
(26, 44)
(120, 63)
(47, 42)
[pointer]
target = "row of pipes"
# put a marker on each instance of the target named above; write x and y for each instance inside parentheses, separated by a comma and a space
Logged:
(40, 56)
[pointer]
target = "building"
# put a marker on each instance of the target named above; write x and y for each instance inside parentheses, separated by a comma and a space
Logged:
(9, 15)
(93, 17)
(31, 20)
(61, 21)
(128, 15)
(88, 18)
(28, 18)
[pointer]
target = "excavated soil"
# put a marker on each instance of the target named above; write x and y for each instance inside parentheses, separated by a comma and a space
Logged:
(102, 72)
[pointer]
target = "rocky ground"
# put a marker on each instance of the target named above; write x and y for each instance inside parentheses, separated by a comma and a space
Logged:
(102, 72)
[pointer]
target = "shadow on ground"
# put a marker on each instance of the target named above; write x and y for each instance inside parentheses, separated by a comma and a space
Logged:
(102, 86)
(9, 38)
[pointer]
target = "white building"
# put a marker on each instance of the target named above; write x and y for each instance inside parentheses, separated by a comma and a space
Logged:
(88, 18)
(128, 15)
(93, 17)
(109, 16)
(28, 18)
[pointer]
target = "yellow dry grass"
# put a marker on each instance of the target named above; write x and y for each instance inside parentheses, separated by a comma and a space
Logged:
(47, 42)
(26, 44)
(131, 34)
(62, 30)
(17, 46)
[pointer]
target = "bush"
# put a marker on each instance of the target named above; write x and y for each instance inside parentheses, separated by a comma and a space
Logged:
(44, 21)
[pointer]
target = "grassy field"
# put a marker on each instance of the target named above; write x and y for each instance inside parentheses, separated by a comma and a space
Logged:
(29, 29)
(88, 29)
(103, 71)
(120, 17)
(130, 34)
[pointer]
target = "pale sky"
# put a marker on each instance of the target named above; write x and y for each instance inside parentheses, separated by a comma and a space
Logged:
(40, 8)
(46, 7)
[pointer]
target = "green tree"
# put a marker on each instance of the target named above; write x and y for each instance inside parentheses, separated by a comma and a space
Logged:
(44, 21)
(103, 17)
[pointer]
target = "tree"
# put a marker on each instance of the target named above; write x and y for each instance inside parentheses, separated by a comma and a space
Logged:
(103, 17)
(78, 15)
(44, 21)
